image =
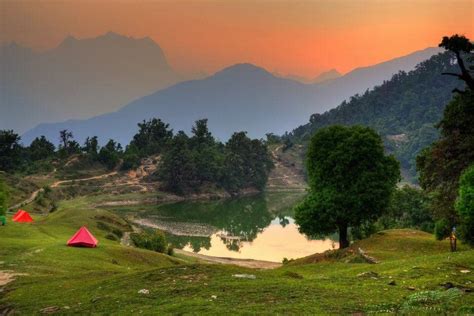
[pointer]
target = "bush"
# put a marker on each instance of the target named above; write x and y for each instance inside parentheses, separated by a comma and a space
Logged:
(155, 240)
(408, 208)
(3, 198)
(465, 206)
(365, 230)
(111, 236)
(170, 250)
(442, 229)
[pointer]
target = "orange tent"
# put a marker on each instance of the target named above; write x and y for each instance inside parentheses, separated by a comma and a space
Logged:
(22, 217)
(83, 238)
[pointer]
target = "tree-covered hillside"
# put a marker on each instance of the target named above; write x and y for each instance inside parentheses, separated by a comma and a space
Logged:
(404, 110)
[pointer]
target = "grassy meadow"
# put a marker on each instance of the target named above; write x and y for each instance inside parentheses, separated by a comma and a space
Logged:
(413, 275)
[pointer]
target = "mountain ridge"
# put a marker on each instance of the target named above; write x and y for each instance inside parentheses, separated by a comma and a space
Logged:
(79, 78)
(239, 97)
(404, 110)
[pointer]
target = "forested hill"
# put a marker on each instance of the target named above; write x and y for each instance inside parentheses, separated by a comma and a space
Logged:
(404, 110)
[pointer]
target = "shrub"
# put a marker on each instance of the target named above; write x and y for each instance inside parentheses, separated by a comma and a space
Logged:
(465, 206)
(155, 240)
(111, 236)
(117, 232)
(442, 229)
(170, 250)
(3, 198)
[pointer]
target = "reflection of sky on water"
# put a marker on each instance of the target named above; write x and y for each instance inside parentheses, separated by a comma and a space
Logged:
(274, 243)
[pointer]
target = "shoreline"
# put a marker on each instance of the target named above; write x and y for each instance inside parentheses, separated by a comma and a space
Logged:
(246, 263)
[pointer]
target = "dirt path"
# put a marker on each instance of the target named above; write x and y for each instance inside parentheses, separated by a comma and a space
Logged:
(55, 185)
(58, 183)
(247, 263)
(27, 201)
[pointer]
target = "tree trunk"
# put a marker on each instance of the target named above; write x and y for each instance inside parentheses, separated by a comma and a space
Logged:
(343, 241)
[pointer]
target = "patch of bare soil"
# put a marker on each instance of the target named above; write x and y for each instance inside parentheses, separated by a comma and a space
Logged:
(247, 263)
(288, 172)
(7, 276)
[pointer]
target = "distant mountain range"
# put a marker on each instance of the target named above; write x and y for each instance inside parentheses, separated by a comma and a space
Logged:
(78, 79)
(240, 97)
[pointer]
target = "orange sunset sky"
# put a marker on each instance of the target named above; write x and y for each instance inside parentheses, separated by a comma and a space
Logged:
(290, 37)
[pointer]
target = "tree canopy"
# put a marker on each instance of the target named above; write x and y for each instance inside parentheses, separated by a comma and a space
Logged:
(351, 181)
(459, 44)
(152, 137)
(193, 163)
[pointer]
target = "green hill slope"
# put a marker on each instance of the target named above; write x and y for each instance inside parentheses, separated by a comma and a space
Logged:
(403, 110)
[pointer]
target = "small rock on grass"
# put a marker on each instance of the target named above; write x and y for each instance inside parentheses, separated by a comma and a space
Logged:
(369, 274)
(392, 282)
(411, 288)
(244, 276)
(465, 271)
(144, 291)
(49, 310)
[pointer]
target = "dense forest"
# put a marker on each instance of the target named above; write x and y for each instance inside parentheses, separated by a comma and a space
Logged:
(404, 110)
(187, 164)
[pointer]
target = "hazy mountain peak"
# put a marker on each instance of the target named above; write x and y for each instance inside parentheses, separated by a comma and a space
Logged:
(81, 77)
(243, 70)
(327, 75)
(68, 41)
(112, 35)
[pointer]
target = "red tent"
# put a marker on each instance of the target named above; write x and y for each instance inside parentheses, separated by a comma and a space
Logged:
(83, 238)
(22, 217)
(18, 213)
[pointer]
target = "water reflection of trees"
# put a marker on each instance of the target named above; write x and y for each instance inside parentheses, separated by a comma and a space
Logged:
(238, 220)
(195, 242)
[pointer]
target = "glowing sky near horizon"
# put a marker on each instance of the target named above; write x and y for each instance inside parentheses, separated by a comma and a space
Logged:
(285, 36)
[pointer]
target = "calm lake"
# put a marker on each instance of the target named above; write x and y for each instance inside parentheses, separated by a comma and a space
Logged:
(258, 227)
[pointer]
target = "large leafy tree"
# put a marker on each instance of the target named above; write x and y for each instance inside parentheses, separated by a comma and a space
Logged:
(152, 137)
(441, 164)
(40, 148)
(459, 44)
(91, 146)
(206, 155)
(465, 205)
(351, 181)
(10, 151)
(177, 169)
(247, 163)
(109, 155)
(68, 146)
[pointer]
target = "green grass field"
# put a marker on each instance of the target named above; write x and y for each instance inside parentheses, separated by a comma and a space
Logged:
(107, 279)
